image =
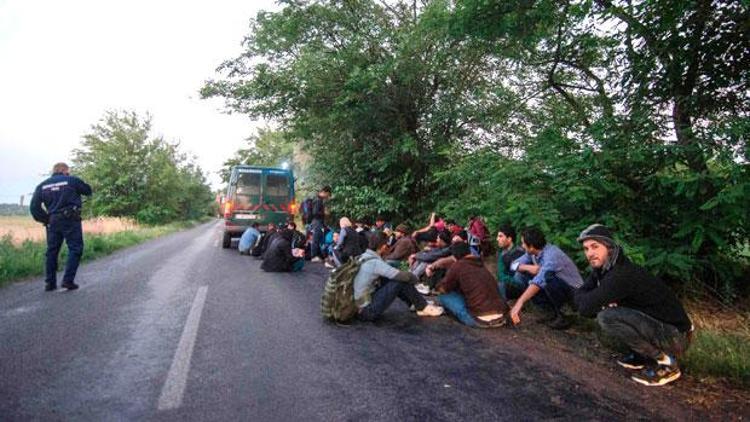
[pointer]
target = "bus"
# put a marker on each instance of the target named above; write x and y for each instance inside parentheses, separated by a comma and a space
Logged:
(260, 195)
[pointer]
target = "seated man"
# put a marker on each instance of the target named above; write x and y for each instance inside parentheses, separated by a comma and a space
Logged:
(418, 262)
(430, 232)
(378, 284)
(404, 247)
(545, 269)
(508, 252)
(299, 240)
(469, 291)
(248, 239)
(634, 307)
(265, 240)
(280, 257)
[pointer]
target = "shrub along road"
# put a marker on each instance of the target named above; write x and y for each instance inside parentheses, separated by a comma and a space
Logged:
(179, 328)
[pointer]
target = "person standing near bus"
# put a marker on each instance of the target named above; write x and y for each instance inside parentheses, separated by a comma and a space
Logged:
(317, 226)
(61, 215)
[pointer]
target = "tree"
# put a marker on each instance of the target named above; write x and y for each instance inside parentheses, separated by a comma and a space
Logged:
(369, 90)
(268, 148)
(136, 176)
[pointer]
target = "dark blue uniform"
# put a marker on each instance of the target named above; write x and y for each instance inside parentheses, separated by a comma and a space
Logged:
(61, 196)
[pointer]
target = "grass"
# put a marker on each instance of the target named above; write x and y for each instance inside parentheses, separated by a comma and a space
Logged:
(716, 354)
(25, 259)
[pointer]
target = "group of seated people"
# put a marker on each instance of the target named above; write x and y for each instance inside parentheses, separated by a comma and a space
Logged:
(446, 262)
(282, 248)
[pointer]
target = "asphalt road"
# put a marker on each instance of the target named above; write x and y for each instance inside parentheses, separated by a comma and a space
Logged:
(180, 329)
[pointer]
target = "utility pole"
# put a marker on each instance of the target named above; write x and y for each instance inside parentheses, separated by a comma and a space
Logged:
(21, 203)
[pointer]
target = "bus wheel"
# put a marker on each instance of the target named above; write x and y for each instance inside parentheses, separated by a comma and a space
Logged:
(227, 241)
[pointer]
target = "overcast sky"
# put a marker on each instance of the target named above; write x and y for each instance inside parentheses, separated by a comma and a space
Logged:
(63, 63)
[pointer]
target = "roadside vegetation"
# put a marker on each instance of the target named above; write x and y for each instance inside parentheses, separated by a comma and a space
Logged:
(26, 258)
(555, 114)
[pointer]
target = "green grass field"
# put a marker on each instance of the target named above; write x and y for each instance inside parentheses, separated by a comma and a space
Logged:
(27, 258)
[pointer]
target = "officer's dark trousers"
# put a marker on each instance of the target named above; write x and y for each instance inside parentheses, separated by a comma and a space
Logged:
(70, 230)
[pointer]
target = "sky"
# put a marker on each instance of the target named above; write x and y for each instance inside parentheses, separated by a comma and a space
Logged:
(64, 63)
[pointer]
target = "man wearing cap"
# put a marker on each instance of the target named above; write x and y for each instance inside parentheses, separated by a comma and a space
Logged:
(404, 246)
(61, 196)
(634, 307)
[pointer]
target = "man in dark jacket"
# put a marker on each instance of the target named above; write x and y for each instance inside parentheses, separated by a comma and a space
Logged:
(318, 222)
(508, 252)
(61, 196)
(633, 307)
(469, 291)
(279, 257)
(404, 247)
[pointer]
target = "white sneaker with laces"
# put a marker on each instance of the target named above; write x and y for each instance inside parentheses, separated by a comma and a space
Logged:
(431, 311)
(422, 288)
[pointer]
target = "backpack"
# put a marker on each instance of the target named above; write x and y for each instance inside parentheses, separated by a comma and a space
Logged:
(477, 231)
(306, 210)
(337, 303)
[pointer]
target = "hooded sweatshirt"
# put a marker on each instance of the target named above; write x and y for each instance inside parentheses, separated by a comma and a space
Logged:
(628, 285)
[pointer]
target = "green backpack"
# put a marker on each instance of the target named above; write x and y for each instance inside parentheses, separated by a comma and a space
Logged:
(337, 303)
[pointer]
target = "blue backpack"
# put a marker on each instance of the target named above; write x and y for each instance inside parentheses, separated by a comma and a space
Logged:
(306, 210)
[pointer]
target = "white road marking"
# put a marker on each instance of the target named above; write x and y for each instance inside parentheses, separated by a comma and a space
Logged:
(174, 386)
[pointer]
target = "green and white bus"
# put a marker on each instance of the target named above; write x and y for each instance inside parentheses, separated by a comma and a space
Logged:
(260, 195)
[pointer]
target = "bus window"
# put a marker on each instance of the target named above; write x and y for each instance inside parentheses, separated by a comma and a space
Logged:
(248, 188)
(277, 189)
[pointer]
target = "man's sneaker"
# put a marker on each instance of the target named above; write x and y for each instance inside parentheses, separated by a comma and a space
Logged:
(316, 259)
(69, 286)
(50, 287)
(328, 265)
(658, 375)
(431, 310)
(422, 288)
(560, 322)
(633, 361)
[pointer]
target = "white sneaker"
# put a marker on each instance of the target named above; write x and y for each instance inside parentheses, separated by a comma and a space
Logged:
(422, 288)
(328, 265)
(316, 259)
(431, 310)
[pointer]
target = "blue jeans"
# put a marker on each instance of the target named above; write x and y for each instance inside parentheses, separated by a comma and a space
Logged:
(554, 294)
(298, 265)
(454, 303)
(317, 237)
(71, 231)
(384, 296)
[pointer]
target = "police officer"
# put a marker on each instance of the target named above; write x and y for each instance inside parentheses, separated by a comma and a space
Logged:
(61, 196)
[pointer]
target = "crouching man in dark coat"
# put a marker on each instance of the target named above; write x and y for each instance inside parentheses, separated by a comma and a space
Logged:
(633, 307)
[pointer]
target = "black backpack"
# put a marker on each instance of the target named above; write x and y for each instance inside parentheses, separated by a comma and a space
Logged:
(337, 303)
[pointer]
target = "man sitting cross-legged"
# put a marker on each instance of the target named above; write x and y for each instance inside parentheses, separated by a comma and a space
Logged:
(378, 284)
(634, 307)
(469, 291)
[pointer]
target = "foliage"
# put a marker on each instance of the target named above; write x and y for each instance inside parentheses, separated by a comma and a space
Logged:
(268, 148)
(631, 113)
(134, 175)
(14, 209)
